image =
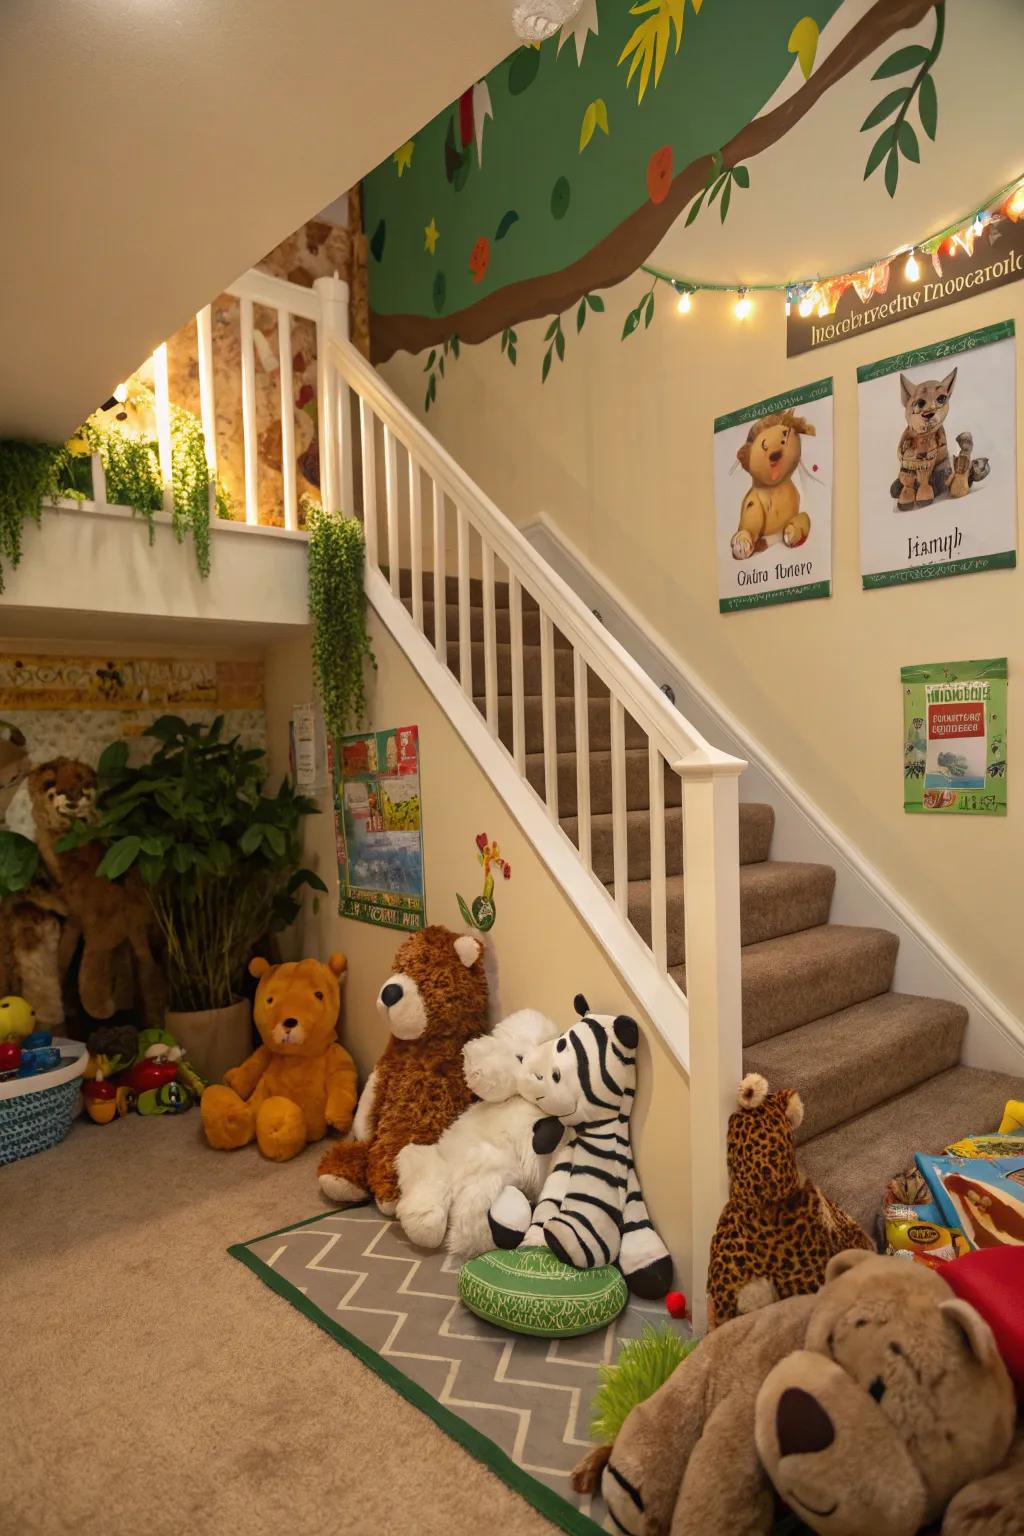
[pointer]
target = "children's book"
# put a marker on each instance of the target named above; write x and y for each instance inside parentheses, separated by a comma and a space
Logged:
(983, 1196)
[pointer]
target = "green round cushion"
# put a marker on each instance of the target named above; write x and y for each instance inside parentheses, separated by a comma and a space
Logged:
(528, 1290)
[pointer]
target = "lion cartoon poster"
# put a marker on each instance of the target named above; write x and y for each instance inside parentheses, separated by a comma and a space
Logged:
(773, 499)
(938, 460)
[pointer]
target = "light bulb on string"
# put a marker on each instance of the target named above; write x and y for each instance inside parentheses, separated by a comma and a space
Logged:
(979, 226)
(806, 305)
(684, 303)
(121, 393)
(912, 270)
(743, 304)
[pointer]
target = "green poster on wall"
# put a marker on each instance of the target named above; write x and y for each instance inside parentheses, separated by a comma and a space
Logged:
(379, 829)
(954, 737)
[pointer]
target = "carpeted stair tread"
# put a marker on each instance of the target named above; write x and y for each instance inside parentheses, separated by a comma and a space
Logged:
(849, 1062)
(476, 589)
(803, 976)
(502, 624)
(755, 837)
(598, 718)
(854, 1162)
(531, 669)
(637, 781)
(775, 898)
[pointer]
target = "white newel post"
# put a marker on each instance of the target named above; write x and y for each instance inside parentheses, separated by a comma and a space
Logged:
(711, 855)
(334, 411)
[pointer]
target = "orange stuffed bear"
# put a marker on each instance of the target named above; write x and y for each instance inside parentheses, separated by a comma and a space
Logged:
(300, 1080)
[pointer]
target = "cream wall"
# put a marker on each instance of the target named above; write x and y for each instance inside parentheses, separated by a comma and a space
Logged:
(545, 953)
(617, 448)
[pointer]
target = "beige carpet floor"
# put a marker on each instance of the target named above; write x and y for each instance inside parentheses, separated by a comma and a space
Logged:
(148, 1382)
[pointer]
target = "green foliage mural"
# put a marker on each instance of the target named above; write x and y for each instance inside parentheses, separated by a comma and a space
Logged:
(559, 172)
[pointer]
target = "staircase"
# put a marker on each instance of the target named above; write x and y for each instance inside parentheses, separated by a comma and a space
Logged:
(878, 1070)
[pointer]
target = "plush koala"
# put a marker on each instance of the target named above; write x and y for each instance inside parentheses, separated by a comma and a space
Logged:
(446, 1190)
(868, 1407)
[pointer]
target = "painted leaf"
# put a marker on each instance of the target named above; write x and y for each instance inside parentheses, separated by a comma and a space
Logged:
(695, 208)
(803, 41)
(648, 43)
(719, 184)
(545, 366)
(504, 339)
(467, 916)
(907, 140)
(430, 362)
(632, 321)
(649, 310)
(726, 199)
(741, 176)
(596, 116)
(581, 314)
(886, 107)
(928, 106)
(512, 353)
(899, 62)
(377, 240)
(523, 70)
(552, 328)
(892, 172)
(505, 224)
(880, 149)
(560, 346)
(595, 302)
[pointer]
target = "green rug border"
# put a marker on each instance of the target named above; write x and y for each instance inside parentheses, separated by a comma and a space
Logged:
(544, 1499)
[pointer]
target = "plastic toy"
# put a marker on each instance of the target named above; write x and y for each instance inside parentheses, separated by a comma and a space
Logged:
(1013, 1117)
(675, 1304)
(10, 1057)
(100, 1100)
(17, 1018)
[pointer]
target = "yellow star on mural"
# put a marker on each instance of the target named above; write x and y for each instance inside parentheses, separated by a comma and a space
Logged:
(403, 155)
(430, 237)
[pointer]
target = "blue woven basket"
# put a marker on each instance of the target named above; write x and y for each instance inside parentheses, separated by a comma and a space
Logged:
(36, 1113)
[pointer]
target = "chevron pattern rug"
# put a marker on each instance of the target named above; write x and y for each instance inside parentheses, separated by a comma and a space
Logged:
(520, 1405)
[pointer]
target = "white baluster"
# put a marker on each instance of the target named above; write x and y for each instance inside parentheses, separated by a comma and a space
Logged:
(284, 353)
(249, 443)
(465, 622)
(161, 392)
(440, 579)
(207, 397)
(416, 542)
(620, 851)
(549, 716)
(99, 482)
(335, 475)
(368, 439)
(490, 642)
(391, 495)
(580, 690)
(515, 620)
(656, 801)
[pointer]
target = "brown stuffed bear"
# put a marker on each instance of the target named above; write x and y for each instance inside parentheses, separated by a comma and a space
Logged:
(777, 1231)
(300, 1080)
(435, 1002)
(868, 1406)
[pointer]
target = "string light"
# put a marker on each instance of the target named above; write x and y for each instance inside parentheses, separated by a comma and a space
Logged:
(121, 393)
(805, 306)
(743, 304)
(912, 270)
(684, 303)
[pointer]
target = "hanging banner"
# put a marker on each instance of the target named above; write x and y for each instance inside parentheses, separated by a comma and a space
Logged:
(954, 737)
(378, 828)
(773, 500)
(885, 293)
(938, 461)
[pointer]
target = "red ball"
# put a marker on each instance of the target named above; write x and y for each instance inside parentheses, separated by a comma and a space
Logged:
(675, 1304)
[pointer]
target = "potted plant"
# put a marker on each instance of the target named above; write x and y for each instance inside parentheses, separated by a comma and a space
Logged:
(220, 859)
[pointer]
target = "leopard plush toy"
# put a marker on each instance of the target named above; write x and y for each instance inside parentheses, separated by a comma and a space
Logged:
(777, 1231)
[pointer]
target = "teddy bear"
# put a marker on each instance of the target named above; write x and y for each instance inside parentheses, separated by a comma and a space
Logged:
(867, 1407)
(300, 1080)
(770, 509)
(777, 1231)
(446, 1190)
(434, 1002)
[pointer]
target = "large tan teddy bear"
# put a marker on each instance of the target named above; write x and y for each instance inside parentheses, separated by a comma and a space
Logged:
(300, 1080)
(868, 1407)
(434, 1003)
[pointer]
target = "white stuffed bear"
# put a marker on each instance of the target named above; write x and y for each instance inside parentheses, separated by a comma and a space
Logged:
(449, 1187)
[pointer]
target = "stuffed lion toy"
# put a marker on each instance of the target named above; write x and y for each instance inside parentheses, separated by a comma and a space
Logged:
(300, 1080)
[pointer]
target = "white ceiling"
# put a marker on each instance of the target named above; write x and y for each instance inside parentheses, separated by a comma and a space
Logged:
(154, 149)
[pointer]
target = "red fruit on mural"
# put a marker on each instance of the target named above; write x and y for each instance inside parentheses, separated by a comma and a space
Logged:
(506, 870)
(481, 841)
(480, 259)
(659, 174)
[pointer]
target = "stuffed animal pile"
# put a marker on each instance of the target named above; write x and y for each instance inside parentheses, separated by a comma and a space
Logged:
(300, 1080)
(591, 1211)
(434, 1003)
(447, 1189)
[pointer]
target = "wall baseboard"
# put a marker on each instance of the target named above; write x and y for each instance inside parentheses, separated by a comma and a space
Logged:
(863, 896)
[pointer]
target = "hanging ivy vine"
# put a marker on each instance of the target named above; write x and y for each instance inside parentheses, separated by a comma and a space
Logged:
(337, 606)
(29, 474)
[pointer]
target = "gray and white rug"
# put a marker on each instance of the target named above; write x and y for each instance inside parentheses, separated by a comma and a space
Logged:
(521, 1405)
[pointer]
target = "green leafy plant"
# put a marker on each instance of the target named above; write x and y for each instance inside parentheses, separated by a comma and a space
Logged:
(434, 365)
(899, 139)
(220, 858)
(721, 179)
(555, 338)
(509, 342)
(19, 862)
(643, 311)
(337, 606)
(644, 1364)
(29, 473)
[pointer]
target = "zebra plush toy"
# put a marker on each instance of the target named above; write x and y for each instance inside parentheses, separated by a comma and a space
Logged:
(590, 1211)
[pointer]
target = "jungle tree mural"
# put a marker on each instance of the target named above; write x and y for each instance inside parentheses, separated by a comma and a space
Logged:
(560, 171)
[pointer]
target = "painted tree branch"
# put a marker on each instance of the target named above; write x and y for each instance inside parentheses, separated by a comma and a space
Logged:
(631, 242)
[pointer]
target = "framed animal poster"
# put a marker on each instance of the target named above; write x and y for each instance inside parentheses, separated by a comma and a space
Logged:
(379, 828)
(938, 492)
(773, 500)
(954, 737)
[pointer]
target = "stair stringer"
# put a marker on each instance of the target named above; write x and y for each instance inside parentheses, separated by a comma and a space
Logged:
(863, 896)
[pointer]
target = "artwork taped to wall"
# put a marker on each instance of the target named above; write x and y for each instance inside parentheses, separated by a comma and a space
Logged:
(773, 499)
(41, 682)
(938, 461)
(379, 828)
(954, 737)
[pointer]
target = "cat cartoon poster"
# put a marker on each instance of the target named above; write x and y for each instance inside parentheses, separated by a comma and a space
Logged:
(938, 460)
(773, 500)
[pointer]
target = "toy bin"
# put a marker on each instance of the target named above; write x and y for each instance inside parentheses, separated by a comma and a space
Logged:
(36, 1112)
